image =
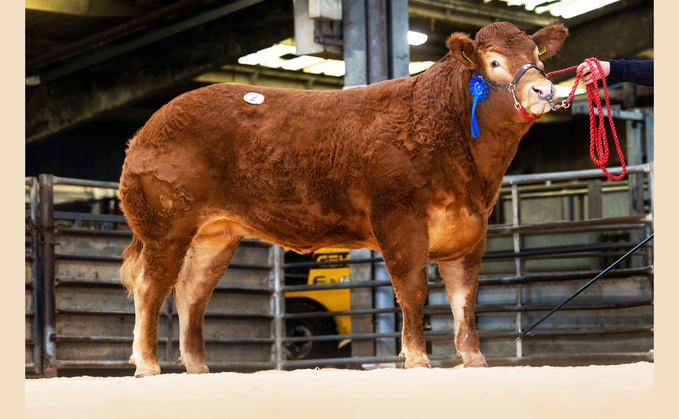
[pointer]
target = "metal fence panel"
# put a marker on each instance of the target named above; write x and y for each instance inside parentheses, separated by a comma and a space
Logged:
(92, 318)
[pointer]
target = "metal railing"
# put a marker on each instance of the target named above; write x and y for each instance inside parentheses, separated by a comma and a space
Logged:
(641, 273)
(84, 319)
(510, 295)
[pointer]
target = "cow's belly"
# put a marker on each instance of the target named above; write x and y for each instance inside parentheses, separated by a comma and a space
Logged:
(301, 231)
(454, 233)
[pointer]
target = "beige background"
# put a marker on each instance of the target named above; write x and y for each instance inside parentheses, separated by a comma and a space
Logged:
(528, 392)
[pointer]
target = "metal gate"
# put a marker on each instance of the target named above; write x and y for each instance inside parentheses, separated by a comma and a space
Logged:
(78, 316)
(549, 234)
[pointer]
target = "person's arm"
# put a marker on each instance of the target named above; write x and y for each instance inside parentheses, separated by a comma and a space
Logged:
(639, 72)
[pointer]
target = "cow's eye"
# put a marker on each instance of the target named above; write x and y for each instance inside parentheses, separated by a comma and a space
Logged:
(495, 64)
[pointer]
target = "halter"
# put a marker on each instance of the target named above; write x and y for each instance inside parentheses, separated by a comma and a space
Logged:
(511, 86)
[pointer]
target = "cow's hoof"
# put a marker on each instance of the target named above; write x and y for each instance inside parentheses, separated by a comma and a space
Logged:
(479, 365)
(409, 365)
(147, 371)
(198, 369)
(145, 374)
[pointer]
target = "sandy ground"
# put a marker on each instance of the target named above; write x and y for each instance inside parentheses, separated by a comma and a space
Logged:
(620, 391)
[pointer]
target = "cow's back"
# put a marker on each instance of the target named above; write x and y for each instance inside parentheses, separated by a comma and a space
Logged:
(299, 169)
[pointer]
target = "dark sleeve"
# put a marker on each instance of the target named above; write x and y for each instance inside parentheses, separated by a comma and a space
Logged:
(639, 72)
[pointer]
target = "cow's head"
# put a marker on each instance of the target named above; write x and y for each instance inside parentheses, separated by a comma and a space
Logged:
(500, 50)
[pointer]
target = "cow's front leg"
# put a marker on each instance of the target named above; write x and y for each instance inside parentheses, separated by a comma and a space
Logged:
(404, 243)
(461, 279)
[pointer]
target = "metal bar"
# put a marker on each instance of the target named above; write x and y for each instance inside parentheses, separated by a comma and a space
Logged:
(649, 125)
(116, 259)
(565, 360)
(572, 175)
(376, 33)
(507, 180)
(277, 259)
(332, 262)
(85, 183)
(35, 273)
(96, 233)
(399, 50)
(555, 250)
(571, 276)
(581, 108)
(337, 286)
(584, 287)
(483, 281)
(448, 334)
(162, 314)
(449, 360)
(354, 360)
(83, 216)
(484, 308)
(103, 364)
(499, 230)
(49, 355)
(355, 55)
(117, 284)
(138, 42)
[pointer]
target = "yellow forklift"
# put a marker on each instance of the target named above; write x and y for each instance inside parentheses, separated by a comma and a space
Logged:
(318, 301)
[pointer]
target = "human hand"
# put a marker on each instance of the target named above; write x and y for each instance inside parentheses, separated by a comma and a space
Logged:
(590, 78)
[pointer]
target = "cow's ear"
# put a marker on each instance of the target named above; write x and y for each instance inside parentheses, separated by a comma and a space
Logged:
(462, 49)
(549, 40)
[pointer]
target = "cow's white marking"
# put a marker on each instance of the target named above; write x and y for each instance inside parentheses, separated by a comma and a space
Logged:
(253, 98)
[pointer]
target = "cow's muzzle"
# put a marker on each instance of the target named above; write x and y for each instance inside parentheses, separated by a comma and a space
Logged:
(511, 86)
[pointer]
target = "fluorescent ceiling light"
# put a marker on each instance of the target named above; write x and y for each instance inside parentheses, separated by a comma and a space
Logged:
(416, 67)
(282, 55)
(328, 67)
(564, 8)
(416, 38)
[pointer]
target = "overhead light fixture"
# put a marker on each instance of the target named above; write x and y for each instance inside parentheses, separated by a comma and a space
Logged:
(416, 67)
(283, 55)
(564, 8)
(416, 38)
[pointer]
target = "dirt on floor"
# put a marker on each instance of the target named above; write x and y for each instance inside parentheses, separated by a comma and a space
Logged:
(618, 391)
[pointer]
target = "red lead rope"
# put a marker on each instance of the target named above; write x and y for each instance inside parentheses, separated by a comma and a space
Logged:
(598, 142)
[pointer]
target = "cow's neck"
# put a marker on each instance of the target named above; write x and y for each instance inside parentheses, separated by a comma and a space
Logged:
(490, 154)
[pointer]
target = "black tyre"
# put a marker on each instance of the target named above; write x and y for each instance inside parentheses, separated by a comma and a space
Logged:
(319, 326)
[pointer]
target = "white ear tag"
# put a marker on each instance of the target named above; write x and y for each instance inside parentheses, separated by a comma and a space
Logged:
(253, 98)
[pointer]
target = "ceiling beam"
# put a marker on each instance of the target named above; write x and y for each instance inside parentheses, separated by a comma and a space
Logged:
(88, 93)
(92, 8)
(106, 54)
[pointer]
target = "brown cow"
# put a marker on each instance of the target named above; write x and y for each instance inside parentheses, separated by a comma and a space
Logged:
(391, 167)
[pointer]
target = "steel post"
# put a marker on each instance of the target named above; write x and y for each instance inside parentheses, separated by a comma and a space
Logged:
(353, 21)
(277, 261)
(35, 272)
(399, 50)
(384, 322)
(48, 292)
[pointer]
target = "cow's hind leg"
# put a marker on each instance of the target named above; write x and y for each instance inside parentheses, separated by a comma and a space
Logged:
(461, 279)
(404, 244)
(205, 264)
(160, 265)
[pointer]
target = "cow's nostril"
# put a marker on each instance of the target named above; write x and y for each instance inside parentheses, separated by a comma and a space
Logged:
(544, 92)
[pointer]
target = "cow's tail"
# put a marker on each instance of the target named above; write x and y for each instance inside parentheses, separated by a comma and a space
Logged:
(131, 267)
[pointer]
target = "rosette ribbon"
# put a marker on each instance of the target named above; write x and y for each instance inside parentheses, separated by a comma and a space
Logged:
(479, 91)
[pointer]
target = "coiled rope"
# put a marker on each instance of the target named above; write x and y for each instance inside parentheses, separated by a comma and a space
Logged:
(598, 148)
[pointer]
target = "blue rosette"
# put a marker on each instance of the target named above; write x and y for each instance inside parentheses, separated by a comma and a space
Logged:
(479, 91)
